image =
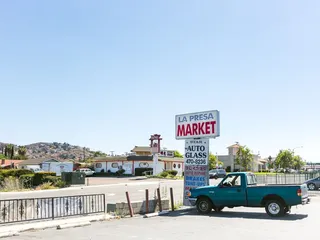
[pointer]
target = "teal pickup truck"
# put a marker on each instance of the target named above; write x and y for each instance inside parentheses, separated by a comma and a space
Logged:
(241, 189)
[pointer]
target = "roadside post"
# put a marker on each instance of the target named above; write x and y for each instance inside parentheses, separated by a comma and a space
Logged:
(159, 199)
(171, 199)
(147, 201)
(196, 129)
(129, 204)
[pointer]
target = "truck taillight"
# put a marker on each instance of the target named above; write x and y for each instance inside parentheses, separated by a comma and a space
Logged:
(299, 193)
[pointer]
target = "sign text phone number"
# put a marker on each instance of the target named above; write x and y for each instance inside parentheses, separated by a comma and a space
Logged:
(196, 161)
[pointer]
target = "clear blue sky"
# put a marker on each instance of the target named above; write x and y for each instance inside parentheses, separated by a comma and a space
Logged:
(107, 74)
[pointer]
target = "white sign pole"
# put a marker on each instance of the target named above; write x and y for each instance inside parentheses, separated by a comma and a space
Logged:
(155, 163)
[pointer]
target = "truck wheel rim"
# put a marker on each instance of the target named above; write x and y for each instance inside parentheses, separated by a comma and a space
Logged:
(274, 208)
(203, 206)
(311, 187)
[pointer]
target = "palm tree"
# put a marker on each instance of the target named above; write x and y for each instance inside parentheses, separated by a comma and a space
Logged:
(22, 151)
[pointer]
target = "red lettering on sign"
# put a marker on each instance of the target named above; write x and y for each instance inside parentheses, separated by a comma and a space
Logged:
(191, 129)
(189, 132)
(195, 129)
(200, 126)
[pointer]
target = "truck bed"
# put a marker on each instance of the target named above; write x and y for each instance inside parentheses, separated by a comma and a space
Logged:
(288, 193)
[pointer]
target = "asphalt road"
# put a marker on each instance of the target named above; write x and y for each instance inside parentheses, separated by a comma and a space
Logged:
(114, 192)
(239, 223)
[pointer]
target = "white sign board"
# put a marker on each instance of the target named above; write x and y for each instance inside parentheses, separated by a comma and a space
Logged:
(196, 167)
(198, 125)
(197, 152)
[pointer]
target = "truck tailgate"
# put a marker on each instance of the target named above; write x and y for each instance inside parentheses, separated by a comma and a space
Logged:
(304, 191)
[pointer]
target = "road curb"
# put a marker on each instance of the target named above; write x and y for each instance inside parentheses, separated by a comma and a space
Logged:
(73, 225)
(8, 234)
(6, 231)
(149, 215)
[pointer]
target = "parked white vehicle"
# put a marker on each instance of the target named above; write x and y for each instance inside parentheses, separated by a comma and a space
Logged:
(87, 171)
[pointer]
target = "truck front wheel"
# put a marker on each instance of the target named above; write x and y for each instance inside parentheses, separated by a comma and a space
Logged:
(204, 206)
(274, 208)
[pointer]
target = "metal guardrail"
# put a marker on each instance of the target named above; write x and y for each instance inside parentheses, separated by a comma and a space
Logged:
(32, 209)
(285, 178)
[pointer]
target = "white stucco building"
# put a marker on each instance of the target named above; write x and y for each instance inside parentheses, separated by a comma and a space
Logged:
(229, 160)
(140, 157)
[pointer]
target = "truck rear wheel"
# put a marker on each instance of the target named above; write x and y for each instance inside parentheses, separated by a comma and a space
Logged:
(274, 208)
(204, 205)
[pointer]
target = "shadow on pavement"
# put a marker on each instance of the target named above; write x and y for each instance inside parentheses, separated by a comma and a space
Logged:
(243, 215)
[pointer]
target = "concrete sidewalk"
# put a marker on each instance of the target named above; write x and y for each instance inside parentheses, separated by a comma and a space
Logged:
(14, 229)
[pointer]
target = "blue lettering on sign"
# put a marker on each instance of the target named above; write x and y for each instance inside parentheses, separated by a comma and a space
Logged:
(183, 119)
(191, 178)
(201, 117)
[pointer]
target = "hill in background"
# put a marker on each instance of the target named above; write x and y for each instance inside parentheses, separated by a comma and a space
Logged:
(43, 150)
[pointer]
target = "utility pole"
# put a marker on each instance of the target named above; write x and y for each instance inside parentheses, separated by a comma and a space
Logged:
(84, 154)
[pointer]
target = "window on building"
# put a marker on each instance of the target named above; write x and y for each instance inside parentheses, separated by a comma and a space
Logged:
(174, 165)
(143, 164)
(179, 165)
(98, 165)
(114, 165)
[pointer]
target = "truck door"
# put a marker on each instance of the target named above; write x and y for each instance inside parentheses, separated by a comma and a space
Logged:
(231, 191)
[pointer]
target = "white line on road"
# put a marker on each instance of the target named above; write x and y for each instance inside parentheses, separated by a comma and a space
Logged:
(111, 194)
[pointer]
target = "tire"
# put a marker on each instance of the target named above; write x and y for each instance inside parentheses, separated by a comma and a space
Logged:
(312, 187)
(286, 209)
(275, 208)
(218, 209)
(204, 205)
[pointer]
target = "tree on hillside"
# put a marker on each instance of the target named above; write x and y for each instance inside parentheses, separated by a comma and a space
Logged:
(298, 163)
(284, 159)
(244, 157)
(177, 154)
(22, 151)
(99, 154)
(9, 151)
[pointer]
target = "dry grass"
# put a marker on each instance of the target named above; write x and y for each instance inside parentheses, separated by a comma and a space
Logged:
(11, 184)
(46, 186)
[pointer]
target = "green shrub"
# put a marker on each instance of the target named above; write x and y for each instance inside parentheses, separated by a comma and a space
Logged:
(51, 179)
(39, 177)
(14, 172)
(164, 174)
(60, 184)
(27, 180)
(1, 179)
(228, 169)
(172, 172)
(120, 172)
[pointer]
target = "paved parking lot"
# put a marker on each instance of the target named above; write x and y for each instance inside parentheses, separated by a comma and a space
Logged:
(239, 223)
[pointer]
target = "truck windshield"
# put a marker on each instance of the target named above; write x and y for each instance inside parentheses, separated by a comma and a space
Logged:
(251, 179)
